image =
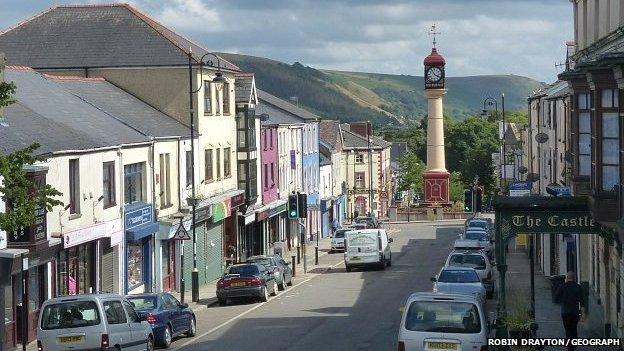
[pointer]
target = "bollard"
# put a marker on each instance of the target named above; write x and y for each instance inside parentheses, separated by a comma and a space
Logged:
(293, 265)
(298, 254)
(316, 256)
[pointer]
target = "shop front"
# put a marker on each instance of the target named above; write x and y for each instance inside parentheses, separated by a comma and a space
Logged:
(268, 227)
(246, 226)
(139, 240)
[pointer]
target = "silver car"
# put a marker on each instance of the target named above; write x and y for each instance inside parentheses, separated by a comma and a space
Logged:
(433, 321)
(459, 280)
(477, 260)
(482, 236)
(90, 322)
(337, 242)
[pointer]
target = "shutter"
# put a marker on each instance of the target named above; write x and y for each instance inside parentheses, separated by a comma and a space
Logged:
(188, 262)
(110, 267)
(214, 253)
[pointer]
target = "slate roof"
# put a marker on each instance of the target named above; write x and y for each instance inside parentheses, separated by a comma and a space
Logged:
(244, 87)
(351, 140)
(102, 35)
(49, 112)
(324, 160)
(281, 111)
(329, 132)
(398, 150)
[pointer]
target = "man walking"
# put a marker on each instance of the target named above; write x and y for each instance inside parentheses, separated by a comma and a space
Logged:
(570, 295)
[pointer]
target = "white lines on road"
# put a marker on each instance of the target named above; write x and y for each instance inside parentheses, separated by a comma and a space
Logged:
(200, 336)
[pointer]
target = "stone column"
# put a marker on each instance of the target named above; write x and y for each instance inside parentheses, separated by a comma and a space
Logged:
(436, 177)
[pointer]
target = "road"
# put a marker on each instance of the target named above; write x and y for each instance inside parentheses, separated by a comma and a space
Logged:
(333, 310)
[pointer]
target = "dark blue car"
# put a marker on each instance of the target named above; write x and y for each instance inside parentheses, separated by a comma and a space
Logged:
(168, 317)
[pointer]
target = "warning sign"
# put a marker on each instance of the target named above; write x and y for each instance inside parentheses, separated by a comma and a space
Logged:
(181, 234)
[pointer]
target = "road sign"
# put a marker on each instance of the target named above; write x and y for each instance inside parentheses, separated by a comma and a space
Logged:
(520, 188)
(181, 233)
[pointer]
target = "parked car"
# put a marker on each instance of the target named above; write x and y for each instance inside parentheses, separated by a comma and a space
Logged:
(477, 260)
(467, 245)
(92, 322)
(459, 280)
(367, 247)
(168, 317)
(337, 242)
(371, 222)
(482, 237)
(276, 264)
(433, 321)
(246, 280)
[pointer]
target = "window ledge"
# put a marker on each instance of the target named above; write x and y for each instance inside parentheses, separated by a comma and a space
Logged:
(74, 216)
(208, 181)
(110, 205)
(227, 177)
(166, 206)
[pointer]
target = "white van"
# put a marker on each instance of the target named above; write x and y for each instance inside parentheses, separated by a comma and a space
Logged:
(367, 247)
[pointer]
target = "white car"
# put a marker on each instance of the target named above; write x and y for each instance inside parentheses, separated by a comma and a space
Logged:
(481, 236)
(367, 247)
(433, 321)
(337, 241)
(477, 260)
(459, 280)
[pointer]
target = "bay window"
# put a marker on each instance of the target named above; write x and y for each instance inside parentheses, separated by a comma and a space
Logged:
(584, 134)
(609, 119)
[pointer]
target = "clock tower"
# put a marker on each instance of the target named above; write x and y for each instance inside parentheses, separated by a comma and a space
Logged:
(436, 177)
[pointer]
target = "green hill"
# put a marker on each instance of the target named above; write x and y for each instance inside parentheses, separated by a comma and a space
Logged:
(380, 98)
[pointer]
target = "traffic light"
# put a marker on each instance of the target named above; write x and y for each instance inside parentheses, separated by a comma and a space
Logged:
(479, 200)
(468, 200)
(303, 205)
(293, 210)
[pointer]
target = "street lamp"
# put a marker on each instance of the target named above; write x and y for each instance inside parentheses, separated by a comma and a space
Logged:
(217, 79)
(489, 101)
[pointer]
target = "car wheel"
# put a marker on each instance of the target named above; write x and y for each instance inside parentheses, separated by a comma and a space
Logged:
(192, 328)
(265, 294)
(150, 343)
(222, 302)
(283, 284)
(275, 288)
(290, 280)
(166, 340)
(348, 268)
(389, 263)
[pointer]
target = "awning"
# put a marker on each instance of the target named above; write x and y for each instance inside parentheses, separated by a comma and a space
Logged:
(142, 231)
(12, 253)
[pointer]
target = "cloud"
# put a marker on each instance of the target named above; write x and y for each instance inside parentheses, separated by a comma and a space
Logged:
(478, 36)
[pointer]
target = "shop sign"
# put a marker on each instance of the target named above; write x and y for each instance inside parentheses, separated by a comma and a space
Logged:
(262, 215)
(202, 214)
(114, 230)
(277, 210)
(522, 188)
(561, 222)
(84, 235)
(135, 218)
(237, 200)
(221, 210)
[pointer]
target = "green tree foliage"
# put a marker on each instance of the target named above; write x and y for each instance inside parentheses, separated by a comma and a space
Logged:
(456, 190)
(412, 173)
(22, 195)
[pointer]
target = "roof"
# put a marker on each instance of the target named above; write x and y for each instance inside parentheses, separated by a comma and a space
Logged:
(324, 160)
(351, 140)
(53, 113)
(245, 88)
(398, 149)
(281, 111)
(102, 35)
(329, 132)
(434, 58)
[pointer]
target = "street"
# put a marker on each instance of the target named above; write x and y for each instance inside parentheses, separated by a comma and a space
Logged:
(335, 310)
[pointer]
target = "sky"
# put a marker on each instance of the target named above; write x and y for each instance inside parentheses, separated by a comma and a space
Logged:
(523, 37)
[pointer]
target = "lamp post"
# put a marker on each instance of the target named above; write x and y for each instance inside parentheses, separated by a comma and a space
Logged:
(193, 201)
(370, 169)
(489, 101)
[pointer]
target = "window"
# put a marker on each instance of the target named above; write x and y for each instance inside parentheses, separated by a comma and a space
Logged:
(270, 139)
(135, 264)
(207, 98)
(584, 135)
(134, 182)
(208, 167)
(227, 167)
(359, 158)
(265, 176)
(272, 175)
(108, 184)
(359, 180)
(165, 180)
(74, 186)
(189, 168)
(61, 315)
(218, 163)
(114, 312)
(132, 315)
(218, 105)
(226, 98)
(443, 317)
(610, 139)
(609, 98)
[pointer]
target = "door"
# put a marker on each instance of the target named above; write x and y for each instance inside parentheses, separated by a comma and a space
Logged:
(118, 327)
(139, 334)
(172, 311)
(178, 315)
(168, 265)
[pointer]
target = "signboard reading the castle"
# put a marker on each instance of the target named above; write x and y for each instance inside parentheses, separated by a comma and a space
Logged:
(549, 222)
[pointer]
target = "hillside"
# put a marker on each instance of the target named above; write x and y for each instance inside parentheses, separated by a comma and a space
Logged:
(380, 98)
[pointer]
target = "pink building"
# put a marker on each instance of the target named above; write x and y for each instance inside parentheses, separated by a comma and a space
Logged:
(268, 157)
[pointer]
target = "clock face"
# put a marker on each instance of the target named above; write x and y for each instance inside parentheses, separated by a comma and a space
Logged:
(434, 75)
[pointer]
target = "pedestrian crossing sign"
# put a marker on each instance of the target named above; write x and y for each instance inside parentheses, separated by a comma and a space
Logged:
(181, 233)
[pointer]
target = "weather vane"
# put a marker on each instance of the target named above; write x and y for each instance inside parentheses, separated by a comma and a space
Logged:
(433, 32)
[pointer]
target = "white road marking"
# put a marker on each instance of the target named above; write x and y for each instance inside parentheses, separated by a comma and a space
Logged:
(248, 311)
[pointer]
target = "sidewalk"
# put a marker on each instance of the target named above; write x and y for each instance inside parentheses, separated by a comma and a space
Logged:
(208, 292)
(547, 313)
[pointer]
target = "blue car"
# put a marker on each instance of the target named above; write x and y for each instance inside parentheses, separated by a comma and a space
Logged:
(168, 317)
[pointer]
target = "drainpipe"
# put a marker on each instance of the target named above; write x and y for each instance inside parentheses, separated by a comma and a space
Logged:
(122, 201)
(152, 161)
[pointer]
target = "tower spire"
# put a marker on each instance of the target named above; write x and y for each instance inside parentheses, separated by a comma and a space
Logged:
(433, 33)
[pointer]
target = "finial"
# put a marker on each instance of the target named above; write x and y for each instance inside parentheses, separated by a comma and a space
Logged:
(433, 33)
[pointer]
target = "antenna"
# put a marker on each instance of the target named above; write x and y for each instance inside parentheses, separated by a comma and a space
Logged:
(433, 33)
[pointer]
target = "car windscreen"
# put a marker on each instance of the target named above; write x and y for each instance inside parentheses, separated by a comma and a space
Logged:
(143, 302)
(358, 239)
(339, 234)
(443, 317)
(458, 276)
(472, 261)
(70, 314)
(263, 261)
(481, 236)
(478, 224)
(245, 270)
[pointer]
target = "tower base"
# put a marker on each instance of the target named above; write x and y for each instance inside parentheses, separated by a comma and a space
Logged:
(436, 184)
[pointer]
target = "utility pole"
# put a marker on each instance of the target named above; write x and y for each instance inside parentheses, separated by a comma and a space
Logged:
(195, 272)
(474, 196)
(370, 169)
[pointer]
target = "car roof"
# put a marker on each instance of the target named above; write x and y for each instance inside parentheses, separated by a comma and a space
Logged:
(130, 296)
(431, 296)
(84, 297)
(467, 242)
(258, 257)
(457, 268)
(367, 231)
(467, 252)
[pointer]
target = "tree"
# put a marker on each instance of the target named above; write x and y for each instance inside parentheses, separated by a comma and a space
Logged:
(479, 163)
(456, 188)
(412, 169)
(21, 193)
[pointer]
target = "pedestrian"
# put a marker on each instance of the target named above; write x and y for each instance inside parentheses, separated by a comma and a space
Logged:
(570, 295)
(335, 225)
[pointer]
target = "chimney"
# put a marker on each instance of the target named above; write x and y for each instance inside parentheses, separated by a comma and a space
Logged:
(361, 128)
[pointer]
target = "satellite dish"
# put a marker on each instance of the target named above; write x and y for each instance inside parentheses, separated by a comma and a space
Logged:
(533, 177)
(541, 138)
(523, 169)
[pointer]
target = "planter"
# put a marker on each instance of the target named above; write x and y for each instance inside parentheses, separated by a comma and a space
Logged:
(519, 333)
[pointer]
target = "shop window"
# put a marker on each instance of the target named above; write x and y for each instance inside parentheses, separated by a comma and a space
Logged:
(135, 264)
(74, 186)
(33, 289)
(108, 184)
(218, 161)
(8, 304)
(165, 180)
(189, 168)
(208, 166)
(227, 162)
(226, 98)
(207, 98)
(114, 312)
(134, 182)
